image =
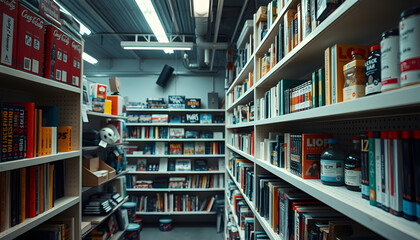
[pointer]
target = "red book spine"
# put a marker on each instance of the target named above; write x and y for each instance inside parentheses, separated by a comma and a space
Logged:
(32, 192)
(29, 126)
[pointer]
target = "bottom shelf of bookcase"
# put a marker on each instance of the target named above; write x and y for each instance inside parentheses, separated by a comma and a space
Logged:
(174, 213)
(350, 204)
(59, 206)
(96, 220)
(267, 228)
(117, 235)
(236, 220)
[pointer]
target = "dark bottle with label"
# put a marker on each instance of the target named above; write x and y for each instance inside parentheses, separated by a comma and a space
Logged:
(332, 164)
(373, 71)
(352, 168)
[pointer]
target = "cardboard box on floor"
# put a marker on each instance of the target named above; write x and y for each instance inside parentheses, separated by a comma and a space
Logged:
(91, 165)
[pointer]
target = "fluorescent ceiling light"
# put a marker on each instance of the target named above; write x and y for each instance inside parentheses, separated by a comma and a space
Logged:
(152, 19)
(201, 8)
(170, 46)
(158, 48)
(83, 28)
(89, 58)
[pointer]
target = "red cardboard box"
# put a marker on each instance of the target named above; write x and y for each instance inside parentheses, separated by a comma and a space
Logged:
(50, 11)
(8, 32)
(75, 63)
(30, 42)
(57, 60)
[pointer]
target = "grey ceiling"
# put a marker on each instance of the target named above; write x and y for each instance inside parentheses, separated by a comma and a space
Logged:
(111, 20)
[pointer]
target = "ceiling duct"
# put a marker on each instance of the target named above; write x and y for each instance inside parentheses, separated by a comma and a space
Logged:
(204, 47)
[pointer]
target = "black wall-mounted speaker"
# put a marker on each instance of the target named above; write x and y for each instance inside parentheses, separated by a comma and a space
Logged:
(165, 75)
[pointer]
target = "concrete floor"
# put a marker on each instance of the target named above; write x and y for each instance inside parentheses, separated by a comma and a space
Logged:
(182, 232)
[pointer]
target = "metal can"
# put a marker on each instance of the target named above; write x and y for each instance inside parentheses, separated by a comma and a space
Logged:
(131, 210)
(390, 72)
(132, 232)
(410, 47)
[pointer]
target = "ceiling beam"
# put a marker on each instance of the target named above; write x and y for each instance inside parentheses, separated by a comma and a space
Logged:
(216, 31)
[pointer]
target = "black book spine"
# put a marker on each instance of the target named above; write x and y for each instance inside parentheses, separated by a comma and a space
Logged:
(409, 203)
(416, 147)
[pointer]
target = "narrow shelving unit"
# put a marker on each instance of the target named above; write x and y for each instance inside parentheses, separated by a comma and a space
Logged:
(175, 189)
(353, 22)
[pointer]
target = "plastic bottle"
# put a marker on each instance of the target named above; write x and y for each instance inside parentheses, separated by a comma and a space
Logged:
(332, 164)
(354, 75)
(352, 167)
(373, 71)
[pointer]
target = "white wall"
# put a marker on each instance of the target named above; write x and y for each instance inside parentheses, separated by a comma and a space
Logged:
(138, 79)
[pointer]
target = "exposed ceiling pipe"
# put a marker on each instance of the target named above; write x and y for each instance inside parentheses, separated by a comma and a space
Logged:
(200, 33)
(216, 30)
(239, 19)
(107, 26)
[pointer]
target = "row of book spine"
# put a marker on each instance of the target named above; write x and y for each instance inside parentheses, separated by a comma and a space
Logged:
(169, 202)
(243, 55)
(29, 132)
(243, 172)
(148, 132)
(243, 142)
(293, 214)
(240, 89)
(243, 113)
(28, 192)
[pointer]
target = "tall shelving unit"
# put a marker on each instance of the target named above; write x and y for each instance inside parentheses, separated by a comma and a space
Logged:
(19, 86)
(163, 168)
(356, 22)
(97, 121)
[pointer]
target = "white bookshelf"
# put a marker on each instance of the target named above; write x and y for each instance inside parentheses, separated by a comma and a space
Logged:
(93, 148)
(117, 235)
(104, 115)
(174, 213)
(60, 205)
(20, 86)
(176, 140)
(178, 156)
(175, 124)
(243, 99)
(266, 226)
(27, 162)
(249, 66)
(163, 110)
(175, 189)
(173, 172)
(96, 220)
(353, 23)
(235, 218)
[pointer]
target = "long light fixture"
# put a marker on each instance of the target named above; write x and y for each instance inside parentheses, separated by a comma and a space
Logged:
(89, 58)
(152, 19)
(201, 8)
(83, 28)
(127, 45)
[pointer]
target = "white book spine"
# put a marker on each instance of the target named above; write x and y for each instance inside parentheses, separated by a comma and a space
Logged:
(378, 170)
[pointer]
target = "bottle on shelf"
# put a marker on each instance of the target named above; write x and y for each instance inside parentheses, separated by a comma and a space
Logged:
(373, 71)
(352, 167)
(354, 75)
(332, 164)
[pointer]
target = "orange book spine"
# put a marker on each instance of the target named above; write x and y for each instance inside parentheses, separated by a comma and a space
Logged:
(64, 139)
